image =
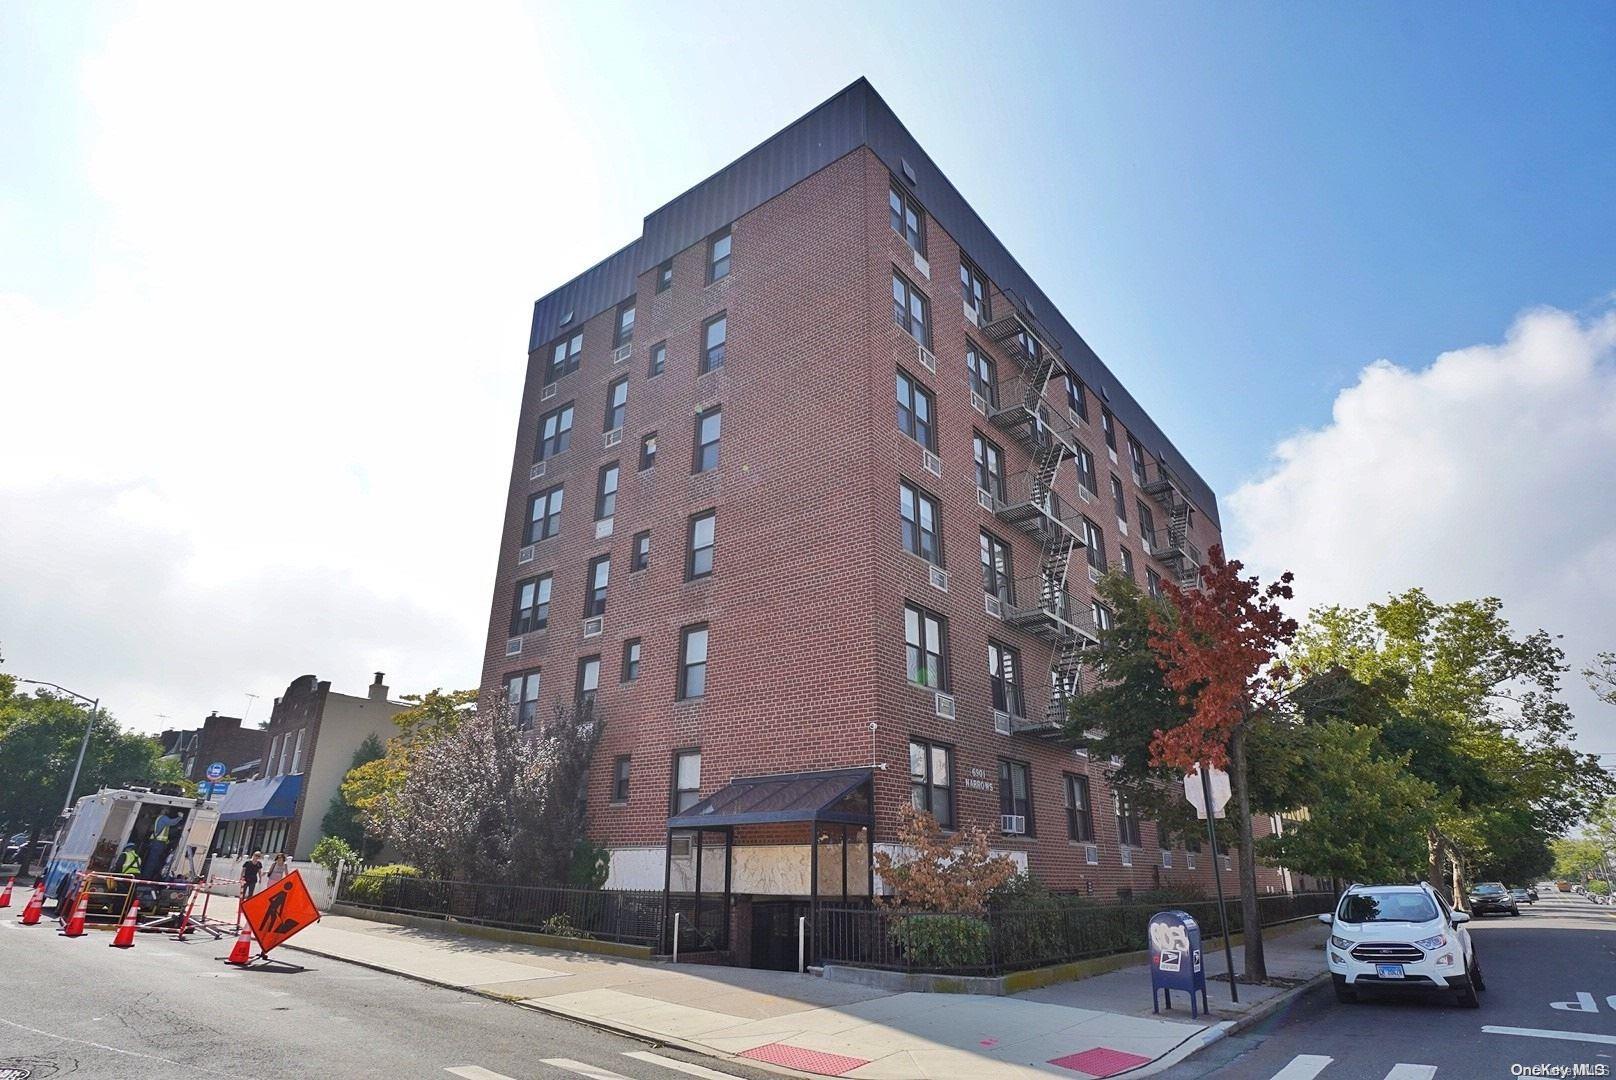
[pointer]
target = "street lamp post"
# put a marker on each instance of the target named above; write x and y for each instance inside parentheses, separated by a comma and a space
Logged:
(84, 743)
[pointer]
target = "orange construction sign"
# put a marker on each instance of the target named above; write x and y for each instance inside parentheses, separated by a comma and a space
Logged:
(279, 911)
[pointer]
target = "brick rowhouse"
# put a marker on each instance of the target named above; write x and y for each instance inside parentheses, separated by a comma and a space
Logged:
(808, 248)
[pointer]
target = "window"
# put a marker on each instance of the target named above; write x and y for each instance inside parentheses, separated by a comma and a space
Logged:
(532, 608)
(700, 562)
(1153, 582)
(1127, 563)
(522, 695)
(564, 356)
(718, 255)
(989, 466)
(924, 638)
(915, 410)
(664, 276)
(686, 779)
(984, 374)
(693, 661)
(1076, 400)
(931, 771)
(297, 752)
(1015, 791)
(1108, 424)
(620, 779)
(286, 753)
(920, 532)
(911, 310)
(544, 515)
(631, 660)
(996, 577)
(625, 325)
(1079, 813)
(1118, 499)
(908, 220)
(600, 572)
(714, 333)
(1094, 543)
(555, 432)
(648, 451)
(1136, 456)
(1004, 674)
(606, 492)
(1086, 478)
(640, 555)
(659, 360)
(616, 404)
(588, 681)
(1147, 524)
(1102, 616)
(974, 289)
(1127, 821)
(269, 766)
(708, 426)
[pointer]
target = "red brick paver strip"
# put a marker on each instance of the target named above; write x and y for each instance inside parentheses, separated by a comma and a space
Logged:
(1102, 1061)
(814, 1061)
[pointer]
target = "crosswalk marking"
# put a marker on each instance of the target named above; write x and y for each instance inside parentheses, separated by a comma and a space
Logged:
(583, 1068)
(676, 1065)
(475, 1072)
(1404, 1071)
(1550, 1033)
(1303, 1067)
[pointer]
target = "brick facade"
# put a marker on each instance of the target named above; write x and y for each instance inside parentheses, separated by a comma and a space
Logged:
(806, 654)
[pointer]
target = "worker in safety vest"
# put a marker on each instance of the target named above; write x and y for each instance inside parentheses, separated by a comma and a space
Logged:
(165, 830)
(128, 862)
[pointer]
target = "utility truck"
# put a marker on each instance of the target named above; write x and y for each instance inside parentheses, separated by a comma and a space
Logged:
(100, 826)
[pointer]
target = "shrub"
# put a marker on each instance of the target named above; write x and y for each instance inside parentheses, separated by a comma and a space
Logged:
(1598, 886)
(946, 942)
(560, 925)
(331, 850)
(367, 887)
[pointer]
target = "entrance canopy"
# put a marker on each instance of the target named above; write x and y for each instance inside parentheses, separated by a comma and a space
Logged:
(275, 797)
(841, 795)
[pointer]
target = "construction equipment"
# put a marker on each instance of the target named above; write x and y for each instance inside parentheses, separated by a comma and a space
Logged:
(102, 825)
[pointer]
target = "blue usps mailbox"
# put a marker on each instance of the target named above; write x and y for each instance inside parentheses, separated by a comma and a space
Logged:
(1175, 959)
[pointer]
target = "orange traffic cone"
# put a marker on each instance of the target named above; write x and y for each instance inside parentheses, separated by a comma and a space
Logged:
(5, 894)
(75, 922)
(125, 938)
(36, 904)
(241, 954)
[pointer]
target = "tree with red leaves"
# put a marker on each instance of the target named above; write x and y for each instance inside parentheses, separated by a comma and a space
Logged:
(1219, 657)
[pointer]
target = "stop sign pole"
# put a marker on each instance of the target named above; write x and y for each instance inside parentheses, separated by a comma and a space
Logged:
(1208, 811)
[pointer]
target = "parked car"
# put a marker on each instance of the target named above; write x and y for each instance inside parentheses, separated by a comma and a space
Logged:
(1521, 895)
(1490, 897)
(1401, 938)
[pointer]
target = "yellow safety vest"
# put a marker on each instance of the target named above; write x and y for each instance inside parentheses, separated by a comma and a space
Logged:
(131, 863)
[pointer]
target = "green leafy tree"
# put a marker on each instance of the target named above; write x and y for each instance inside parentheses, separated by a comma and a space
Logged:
(1576, 859)
(428, 718)
(342, 819)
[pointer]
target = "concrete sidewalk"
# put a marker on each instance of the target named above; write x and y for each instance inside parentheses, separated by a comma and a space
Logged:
(1096, 1027)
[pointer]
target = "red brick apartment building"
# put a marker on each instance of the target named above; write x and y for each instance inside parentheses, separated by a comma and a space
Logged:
(798, 600)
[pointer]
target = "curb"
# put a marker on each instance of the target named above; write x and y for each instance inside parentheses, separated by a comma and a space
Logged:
(1193, 1045)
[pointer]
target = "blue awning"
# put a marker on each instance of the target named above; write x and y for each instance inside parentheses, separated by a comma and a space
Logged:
(275, 797)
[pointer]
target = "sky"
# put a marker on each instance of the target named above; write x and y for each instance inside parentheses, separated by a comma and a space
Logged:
(265, 287)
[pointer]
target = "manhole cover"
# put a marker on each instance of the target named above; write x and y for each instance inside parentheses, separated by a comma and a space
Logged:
(27, 1068)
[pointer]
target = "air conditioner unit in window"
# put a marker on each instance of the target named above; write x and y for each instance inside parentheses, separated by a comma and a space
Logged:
(1091, 854)
(1094, 575)
(613, 437)
(971, 315)
(621, 353)
(985, 499)
(603, 528)
(1012, 824)
(1075, 417)
(1127, 855)
(513, 647)
(944, 705)
(939, 579)
(679, 847)
(978, 402)
(1122, 527)
(1167, 860)
(537, 471)
(928, 360)
(932, 462)
(993, 605)
(594, 625)
(548, 392)
(1001, 723)
(1112, 454)
(922, 264)
(1085, 494)
(1189, 860)
(525, 555)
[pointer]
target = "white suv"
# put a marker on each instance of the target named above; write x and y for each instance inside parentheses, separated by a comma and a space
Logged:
(1400, 937)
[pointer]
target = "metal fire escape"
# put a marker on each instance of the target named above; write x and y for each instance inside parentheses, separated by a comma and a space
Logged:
(1039, 605)
(1172, 545)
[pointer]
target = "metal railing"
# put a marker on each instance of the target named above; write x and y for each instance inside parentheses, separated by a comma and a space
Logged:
(1048, 612)
(1166, 546)
(995, 942)
(1036, 509)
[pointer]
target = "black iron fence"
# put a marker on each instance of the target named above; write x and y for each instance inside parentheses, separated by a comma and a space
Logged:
(995, 942)
(633, 917)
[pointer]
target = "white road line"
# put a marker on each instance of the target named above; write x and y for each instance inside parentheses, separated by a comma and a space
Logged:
(1303, 1067)
(676, 1065)
(582, 1068)
(1404, 1071)
(475, 1072)
(1550, 1033)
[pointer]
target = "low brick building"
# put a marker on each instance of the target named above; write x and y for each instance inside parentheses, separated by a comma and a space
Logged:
(810, 489)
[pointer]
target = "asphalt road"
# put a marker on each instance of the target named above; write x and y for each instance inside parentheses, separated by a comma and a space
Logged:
(171, 1010)
(1555, 951)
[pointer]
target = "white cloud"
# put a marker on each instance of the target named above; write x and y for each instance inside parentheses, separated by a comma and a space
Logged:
(1492, 472)
(271, 431)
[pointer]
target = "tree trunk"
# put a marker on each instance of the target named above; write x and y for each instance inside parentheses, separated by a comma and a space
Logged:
(1250, 920)
(1437, 847)
(1461, 902)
